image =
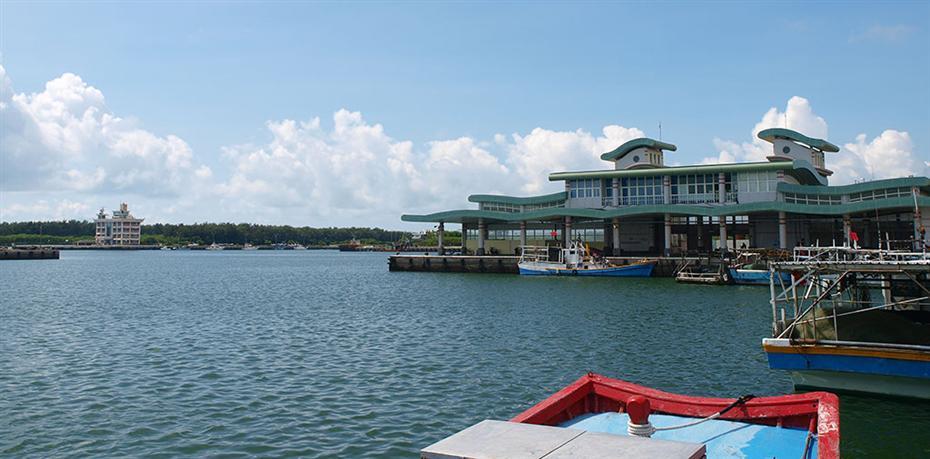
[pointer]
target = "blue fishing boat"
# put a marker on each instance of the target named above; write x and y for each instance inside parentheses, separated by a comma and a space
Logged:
(861, 323)
(752, 268)
(576, 260)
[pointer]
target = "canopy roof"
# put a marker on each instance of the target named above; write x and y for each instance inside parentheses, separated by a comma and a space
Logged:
(556, 213)
(780, 133)
(803, 171)
(627, 147)
(514, 200)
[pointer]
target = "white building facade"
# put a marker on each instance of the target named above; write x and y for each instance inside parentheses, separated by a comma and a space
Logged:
(120, 229)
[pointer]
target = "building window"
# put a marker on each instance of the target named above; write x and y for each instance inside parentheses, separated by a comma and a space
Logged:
(635, 191)
(694, 188)
(879, 194)
(812, 199)
(499, 207)
(585, 188)
(756, 182)
(588, 234)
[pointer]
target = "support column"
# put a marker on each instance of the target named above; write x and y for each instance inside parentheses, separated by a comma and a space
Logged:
(522, 236)
(439, 235)
(667, 189)
(616, 235)
(616, 187)
(723, 235)
(721, 188)
(464, 239)
(847, 228)
(482, 235)
(567, 233)
(668, 235)
(782, 230)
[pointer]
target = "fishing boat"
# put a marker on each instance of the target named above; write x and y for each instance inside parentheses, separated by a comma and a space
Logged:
(752, 268)
(598, 416)
(861, 323)
(689, 272)
(576, 260)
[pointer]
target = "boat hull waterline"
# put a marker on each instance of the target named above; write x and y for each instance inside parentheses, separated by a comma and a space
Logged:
(633, 270)
(882, 371)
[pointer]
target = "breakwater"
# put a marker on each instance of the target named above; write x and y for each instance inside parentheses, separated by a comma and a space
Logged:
(665, 266)
(28, 254)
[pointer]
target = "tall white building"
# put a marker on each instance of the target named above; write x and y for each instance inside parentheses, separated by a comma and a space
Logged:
(120, 229)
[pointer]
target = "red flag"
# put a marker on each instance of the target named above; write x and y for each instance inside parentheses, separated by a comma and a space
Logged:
(853, 236)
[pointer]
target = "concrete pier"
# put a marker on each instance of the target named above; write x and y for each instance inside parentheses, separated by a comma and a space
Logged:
(508, 264)
(28, 254)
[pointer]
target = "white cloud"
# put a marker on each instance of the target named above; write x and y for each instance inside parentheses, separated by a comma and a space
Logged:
(64, 138)
(798, 115)
(889, 155)
(535, 155)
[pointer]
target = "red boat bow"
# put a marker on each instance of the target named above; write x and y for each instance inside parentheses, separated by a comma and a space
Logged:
(816, 411)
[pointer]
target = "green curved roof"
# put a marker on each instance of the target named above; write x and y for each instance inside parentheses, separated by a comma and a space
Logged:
(920, 182)
(802, 170)
(471, 215)
(515, 200)
(780, 133)
(627, 147)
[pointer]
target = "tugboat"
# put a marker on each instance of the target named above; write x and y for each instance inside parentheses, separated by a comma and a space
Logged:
(576, 260)
(861, 323)
(598, 416)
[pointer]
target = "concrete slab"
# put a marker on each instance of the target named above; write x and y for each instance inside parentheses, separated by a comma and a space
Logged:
(508, 440)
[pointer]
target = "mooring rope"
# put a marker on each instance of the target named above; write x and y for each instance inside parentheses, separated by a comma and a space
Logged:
(647, 429)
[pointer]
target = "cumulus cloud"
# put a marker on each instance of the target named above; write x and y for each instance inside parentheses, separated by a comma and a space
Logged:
(889, 155)
(64, 138)
(798, 115)
(355, 172)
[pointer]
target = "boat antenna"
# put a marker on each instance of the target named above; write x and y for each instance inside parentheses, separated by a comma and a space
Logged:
(660, 130)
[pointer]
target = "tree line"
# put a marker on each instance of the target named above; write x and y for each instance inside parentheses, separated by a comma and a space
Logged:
(202, 233)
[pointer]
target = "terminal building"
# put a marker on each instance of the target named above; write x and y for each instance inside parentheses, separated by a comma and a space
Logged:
(120, 229)
(643, 207)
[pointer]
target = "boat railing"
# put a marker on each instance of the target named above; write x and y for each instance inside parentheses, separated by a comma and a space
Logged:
(822, 293)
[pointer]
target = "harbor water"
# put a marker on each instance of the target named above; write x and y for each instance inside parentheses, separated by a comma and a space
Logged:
(322, 353)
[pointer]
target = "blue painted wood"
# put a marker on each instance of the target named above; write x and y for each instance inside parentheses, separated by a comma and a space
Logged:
(723, 439)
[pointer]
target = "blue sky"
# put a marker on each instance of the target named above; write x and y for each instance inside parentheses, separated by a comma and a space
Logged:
(215, 75)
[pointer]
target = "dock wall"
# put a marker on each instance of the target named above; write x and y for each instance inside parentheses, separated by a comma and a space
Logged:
(508, 264)
(28, 254)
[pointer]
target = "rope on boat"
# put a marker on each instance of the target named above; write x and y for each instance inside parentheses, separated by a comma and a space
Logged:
(647, 429)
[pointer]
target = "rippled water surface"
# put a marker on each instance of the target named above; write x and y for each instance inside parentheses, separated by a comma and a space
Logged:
(328, 354)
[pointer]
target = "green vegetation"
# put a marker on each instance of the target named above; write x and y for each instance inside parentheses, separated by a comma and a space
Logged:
(431, 239)
(66, 232)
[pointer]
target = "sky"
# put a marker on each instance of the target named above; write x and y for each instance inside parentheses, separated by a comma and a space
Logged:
(353, 113)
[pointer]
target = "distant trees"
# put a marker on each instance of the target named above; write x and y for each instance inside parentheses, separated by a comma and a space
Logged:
(204, 233)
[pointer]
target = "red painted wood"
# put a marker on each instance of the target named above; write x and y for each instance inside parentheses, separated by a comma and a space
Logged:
(813, 409)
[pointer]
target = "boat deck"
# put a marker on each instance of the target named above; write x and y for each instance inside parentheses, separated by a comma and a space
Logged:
(511, 440)
(723, 439)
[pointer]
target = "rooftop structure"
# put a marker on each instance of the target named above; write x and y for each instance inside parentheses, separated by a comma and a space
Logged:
(643, 207)
(120, 229)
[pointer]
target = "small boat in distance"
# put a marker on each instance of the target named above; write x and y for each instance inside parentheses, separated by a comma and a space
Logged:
(598, 416)
(576, 260)
(352, 246)
(752, 268)
(248, 246)
(214, 246)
